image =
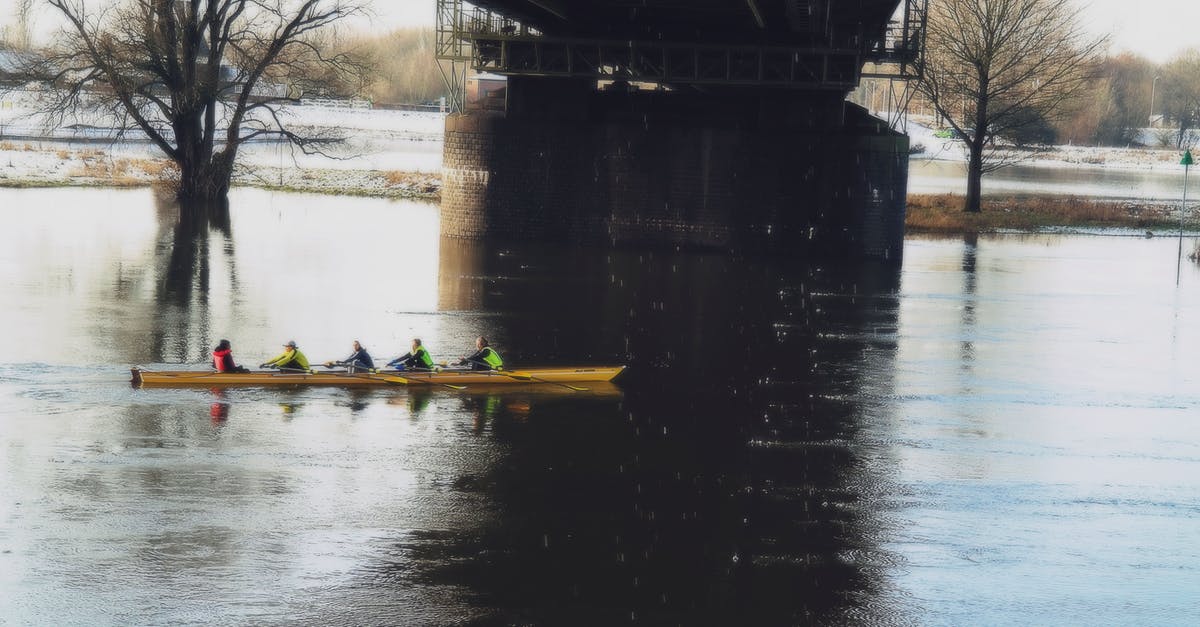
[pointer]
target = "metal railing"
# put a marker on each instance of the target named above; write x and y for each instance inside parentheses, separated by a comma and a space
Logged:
(485, 41)
(900, 52)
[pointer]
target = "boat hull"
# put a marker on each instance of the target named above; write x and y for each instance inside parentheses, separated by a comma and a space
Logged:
(531, 376)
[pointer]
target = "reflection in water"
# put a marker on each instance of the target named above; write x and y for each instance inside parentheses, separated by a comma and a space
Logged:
(218, 410)
(116, 275)
(185, 260)
(722, 493)
(418, 401)
(357, 400)
(718, 483)
(970, 245)
(791, 444)
(288, 410)
(459, 287)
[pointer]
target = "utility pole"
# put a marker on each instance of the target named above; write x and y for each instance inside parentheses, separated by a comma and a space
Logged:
(1152, 85)
(1186, 162)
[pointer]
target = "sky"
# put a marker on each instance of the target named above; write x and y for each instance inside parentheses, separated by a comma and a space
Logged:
(1155, 29)
(386, 15)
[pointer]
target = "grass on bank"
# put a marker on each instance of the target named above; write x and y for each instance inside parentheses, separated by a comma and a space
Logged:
(943, 213)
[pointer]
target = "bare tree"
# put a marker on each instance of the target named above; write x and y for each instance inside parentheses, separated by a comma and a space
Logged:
(198, 77)
(1130, 80)
(24, 25)
(17, 34)
(1180, 87)
(993, 67)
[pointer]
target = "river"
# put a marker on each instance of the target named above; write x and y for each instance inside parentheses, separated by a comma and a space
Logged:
(1003, 431)
(1165, 184)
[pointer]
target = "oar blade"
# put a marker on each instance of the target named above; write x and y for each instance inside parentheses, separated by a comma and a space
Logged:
(403, 381)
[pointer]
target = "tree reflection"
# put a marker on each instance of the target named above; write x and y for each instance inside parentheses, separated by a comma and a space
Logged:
(188, 241)
(970, 301)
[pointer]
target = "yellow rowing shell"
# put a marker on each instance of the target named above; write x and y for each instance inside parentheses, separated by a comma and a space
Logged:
(562, 375)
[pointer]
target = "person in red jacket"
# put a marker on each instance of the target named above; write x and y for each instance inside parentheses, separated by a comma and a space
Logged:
(223, 358)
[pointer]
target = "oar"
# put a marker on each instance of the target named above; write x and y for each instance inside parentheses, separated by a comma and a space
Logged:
(174, 375)
(297, 370)
(529, 377)
(374, 374)
(369, 374)
(524, 377)
(342, 364)
(404, 381)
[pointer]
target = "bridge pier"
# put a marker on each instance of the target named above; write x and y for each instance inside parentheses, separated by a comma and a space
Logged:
(748, 169)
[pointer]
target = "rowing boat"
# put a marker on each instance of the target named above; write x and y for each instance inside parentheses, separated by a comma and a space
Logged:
(564, 375)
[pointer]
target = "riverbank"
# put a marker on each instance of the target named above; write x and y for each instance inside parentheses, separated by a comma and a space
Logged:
(943, 213)
(30, 165)
(24, 164)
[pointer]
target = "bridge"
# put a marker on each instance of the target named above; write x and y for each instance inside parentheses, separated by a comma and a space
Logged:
(701, 123)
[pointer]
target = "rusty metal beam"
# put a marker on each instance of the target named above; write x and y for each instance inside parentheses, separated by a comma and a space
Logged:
(758, 16)
(667, 63)
(553, 8)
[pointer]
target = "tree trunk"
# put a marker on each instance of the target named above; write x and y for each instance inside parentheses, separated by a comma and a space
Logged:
(978, 137)
(205, 179)
(974, 178)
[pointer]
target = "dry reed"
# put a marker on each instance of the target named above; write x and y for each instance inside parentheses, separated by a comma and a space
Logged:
(943, 213)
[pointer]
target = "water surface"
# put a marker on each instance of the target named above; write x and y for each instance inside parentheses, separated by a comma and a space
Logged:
(928, 176)
(1002, 432)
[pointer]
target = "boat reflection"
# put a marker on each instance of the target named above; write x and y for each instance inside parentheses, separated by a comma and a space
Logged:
(219, 412)
(357, 400)
(543, 392)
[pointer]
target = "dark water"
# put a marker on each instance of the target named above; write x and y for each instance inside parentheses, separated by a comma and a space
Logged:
(1003, 432)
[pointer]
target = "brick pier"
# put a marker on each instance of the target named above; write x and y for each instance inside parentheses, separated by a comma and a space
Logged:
(773, 171)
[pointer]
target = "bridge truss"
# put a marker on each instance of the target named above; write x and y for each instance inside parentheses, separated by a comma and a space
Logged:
(483, 40)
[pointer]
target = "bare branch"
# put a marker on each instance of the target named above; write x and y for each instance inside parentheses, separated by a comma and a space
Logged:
(185, 72)
(996, 67)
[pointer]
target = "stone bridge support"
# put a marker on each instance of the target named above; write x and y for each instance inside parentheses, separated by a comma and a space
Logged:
(749, 170)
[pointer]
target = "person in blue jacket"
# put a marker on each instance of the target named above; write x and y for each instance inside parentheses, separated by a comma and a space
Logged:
(360, 359)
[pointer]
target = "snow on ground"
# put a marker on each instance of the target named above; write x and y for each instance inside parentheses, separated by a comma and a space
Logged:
(59, 163)
(1137, 159)
(386, 152)
(21, 117)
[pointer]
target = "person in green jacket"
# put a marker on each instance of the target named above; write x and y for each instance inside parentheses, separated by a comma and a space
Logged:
(485, 357)
(290, 359)
(416, 359)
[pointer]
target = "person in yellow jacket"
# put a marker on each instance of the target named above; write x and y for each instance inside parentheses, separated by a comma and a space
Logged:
(290, 359)
(485, 357)
(416, 359)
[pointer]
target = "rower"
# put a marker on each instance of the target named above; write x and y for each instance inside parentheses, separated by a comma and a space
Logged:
(485, 357)
(416, 359)
(360, 359)
(223, 359)
(290, 359)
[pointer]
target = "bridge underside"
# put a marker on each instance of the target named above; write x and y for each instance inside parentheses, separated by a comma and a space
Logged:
(721, 124)
(772, 170)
